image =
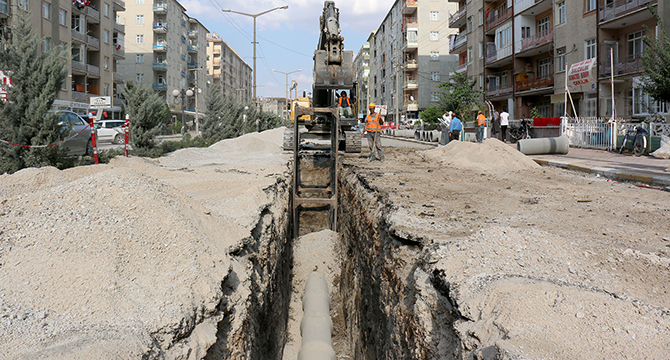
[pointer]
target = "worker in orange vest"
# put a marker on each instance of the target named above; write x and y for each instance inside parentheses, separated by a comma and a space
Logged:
(344, 100)
(373, 127)
(481, 123)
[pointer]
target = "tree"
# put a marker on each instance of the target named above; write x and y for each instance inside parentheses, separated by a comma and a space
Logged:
(147, 111)
(656, 60)
(459, 96)
(37, 77)
(431, 115)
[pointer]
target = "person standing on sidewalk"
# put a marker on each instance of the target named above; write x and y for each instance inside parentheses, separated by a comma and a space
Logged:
(444, 123)
(455, 128)
(481, 123)
(373, 127)
(504, 121)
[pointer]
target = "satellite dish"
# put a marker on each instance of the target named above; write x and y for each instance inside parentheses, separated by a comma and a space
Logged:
(411, 98)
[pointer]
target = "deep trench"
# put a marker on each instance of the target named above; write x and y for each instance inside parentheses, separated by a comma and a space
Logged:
(387, 315)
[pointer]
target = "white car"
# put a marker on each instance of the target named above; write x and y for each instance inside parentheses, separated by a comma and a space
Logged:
(111, 131)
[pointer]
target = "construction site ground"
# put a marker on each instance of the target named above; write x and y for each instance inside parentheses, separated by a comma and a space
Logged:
(467, 251)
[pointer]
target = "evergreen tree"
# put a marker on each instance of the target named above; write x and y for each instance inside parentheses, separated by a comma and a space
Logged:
(460, 96)
(656, 60)
(147, 113)
(37, 77)
(212, 123)
(431, 115)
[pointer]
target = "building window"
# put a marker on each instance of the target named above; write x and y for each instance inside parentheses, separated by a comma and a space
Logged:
(544, 68)
(635, 44)
(504, 79)
(62, 17)
(481, 17)
(589, 105)
(643, 104)
(481, 49)
(139, 39)
(63, 49)
(105, 36)
(434, 96)
(46, 10)
(140, 2)
(139, 20)
(76, 54)
(435, 76)
(470, 54)
(23, 4)
(105, 10)
(434, 36)
(560, 59)
(560, 12)
(46, 44)
(139, 77)
(590, 48)
(434, 55)
(412, 37)
(590, 6)
(105, 63)
(434, 16)
(469, 26)
(543, 25)
(139, 58)
(525, 32)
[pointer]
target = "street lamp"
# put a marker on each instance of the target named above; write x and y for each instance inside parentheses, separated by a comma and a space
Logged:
(255, 16)
(180, 100)
(287, 74)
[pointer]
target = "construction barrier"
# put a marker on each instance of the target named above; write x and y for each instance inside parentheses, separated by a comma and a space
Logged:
(316, 326)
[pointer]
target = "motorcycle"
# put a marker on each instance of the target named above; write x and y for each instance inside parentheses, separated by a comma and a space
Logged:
(520, 132)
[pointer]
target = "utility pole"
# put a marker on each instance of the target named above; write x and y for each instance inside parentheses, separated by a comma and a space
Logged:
(287, 74)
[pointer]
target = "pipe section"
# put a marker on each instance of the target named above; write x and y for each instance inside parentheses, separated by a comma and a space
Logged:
(554, 145)
(316, 326)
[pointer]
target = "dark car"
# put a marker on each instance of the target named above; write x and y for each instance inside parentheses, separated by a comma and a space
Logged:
(79, 142)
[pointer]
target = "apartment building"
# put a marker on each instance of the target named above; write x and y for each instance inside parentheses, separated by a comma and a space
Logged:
(168, 49)
(526, 47)
(227, 69)
(361, 73)
(409, 55)
(90, 32)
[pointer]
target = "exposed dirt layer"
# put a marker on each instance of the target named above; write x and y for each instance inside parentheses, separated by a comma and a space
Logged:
(477, 253)
(147, 258)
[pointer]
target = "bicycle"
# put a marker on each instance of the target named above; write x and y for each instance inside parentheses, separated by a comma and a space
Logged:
(638, 143)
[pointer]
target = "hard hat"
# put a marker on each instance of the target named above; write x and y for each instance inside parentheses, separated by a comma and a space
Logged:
(371, 105)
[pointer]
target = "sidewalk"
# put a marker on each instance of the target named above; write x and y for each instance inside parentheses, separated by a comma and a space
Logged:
(645, 169)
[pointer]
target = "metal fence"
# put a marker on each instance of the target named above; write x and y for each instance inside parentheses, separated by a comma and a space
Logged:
(601, 133)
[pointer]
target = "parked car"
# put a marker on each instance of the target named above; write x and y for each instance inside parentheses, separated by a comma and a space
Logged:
(81, 143)
(110, 130)
(388, 125)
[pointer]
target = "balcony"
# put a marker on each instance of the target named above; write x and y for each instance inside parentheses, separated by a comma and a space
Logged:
(216, 51)
(160, 9)
(93, 15)
(494, 90)
(497, 19)
(93, 70)
(192, 48)
(161, 46)
(538, 40)
(494, 54)
(119, 27)
(193, 34)
(78, 67)
(183, 57)
(160, 28)
(76, 35)
(159, 86)
(192, 64)
(190, 78)
(93, 42)
(119, 5)
(216, 74)
(537, 84)
(80, 96)
(410, 84)
(627, 65)
(4, 8)
(410, 103)
(160, 66)
(536, 6)
(411, 65)
(119, 51)
(410, 6)
(462, 68)
(460, 40)
(458, 19)
(118, 77)
(620, 8)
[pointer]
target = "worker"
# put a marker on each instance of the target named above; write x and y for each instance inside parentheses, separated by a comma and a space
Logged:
(373, 127)
(455, 128)
(481, 123)
(344, 100)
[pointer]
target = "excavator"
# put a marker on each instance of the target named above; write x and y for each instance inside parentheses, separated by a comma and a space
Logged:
(320, 131)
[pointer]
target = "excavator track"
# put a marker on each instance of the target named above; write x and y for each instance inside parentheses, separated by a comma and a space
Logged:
(352, 142)
(288, 139)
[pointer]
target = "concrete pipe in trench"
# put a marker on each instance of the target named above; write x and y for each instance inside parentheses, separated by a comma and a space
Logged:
(554, 145)
(316, 326)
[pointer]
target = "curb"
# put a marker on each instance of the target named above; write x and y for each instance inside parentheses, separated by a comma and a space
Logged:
(411, 140)
(611, 173)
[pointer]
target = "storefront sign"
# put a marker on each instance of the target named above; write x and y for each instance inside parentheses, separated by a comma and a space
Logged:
(583, 72)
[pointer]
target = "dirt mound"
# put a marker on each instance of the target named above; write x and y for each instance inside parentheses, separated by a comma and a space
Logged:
(491, 155)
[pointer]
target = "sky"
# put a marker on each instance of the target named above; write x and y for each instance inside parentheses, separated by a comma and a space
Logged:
(286, 38)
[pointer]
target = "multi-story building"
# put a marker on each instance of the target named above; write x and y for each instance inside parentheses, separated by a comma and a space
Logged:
(525, 48)
(409, 55)
(91, 33)
(228, 70)
(361, 73)
(166, 48)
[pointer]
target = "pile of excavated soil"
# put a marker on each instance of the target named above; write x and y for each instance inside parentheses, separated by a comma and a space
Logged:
(127, 259)
(491, 155)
